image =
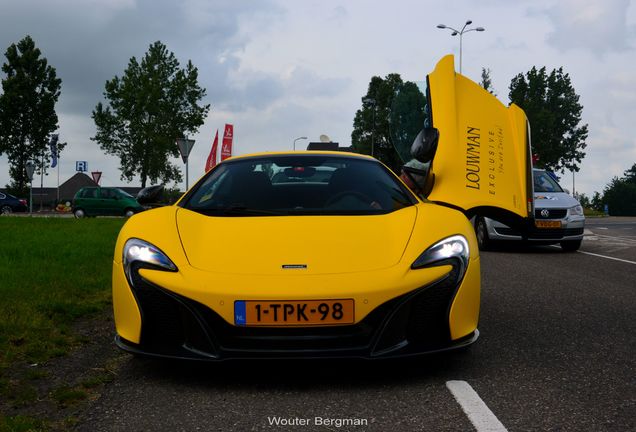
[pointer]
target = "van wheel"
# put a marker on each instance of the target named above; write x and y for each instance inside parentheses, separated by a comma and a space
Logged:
(129, 212)
(79, 213)
(483, 241)
(571, 245)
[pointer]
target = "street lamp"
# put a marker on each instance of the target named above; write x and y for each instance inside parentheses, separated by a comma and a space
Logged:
(299, 138)
(372, 102)
(461, 33)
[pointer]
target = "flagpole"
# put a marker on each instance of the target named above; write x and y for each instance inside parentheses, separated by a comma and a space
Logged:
(58, 179)
(41, 179)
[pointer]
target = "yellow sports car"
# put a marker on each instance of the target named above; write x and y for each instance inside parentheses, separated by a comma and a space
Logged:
(327, 254)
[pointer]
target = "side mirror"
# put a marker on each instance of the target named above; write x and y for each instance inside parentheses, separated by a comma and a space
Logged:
(425, 145)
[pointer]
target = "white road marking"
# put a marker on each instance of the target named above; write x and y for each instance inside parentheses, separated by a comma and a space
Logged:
(607, 257)
(617, 239)
(478, 413)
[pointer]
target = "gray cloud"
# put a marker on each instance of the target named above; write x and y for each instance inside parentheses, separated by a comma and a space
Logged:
(89, 42)
(596, 26)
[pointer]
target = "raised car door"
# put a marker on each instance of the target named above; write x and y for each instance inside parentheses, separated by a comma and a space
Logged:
(478, 149)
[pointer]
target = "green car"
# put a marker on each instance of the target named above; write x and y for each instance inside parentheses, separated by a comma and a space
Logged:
(104, 201)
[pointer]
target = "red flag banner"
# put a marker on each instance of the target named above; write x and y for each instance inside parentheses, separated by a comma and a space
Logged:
(212, 156)
(226, 149)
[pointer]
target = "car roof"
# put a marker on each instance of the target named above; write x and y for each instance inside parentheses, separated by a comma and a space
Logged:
(338, 154)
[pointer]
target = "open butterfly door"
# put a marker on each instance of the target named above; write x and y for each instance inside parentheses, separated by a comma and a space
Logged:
(480, 149)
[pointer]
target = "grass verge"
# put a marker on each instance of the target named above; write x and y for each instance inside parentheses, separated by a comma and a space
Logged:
(53, 272)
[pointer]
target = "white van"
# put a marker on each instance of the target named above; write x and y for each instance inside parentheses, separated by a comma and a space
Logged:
(558, 219)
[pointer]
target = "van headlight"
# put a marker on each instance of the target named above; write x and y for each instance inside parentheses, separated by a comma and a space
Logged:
(577, 210)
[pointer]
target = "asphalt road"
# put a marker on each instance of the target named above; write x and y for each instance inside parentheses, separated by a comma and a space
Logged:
(556, 353)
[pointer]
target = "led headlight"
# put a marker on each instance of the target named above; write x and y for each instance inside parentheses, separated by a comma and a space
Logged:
(577, 210)
(451, 248)
(136, 250)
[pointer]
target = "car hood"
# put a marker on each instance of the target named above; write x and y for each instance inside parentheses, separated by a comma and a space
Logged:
(275, 244)
(554, 200)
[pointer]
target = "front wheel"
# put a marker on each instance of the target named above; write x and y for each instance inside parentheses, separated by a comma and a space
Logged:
(571, 245)
(129, 212)
(5, 210)
(79, 213)
(481, 230)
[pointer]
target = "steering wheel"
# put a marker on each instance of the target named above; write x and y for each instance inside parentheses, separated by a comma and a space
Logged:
(358, 195)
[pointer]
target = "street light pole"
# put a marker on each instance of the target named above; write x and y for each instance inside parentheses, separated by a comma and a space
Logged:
(461, 34)
(299, 138)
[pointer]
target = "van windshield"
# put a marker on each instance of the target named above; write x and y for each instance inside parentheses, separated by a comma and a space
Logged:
(544, 182)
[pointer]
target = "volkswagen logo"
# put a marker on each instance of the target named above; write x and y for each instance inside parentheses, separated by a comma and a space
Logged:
(545, 213)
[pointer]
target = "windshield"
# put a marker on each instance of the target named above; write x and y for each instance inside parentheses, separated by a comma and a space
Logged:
(124, 193)
(298, 185)
(543, 182)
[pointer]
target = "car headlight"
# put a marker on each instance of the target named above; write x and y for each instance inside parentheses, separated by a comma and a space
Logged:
(450, 248)
(577, 210)
(149, 255)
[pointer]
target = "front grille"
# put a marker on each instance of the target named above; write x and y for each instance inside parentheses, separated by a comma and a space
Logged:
(175, 325)
(543, 234)
(552, 213)
(280, 339)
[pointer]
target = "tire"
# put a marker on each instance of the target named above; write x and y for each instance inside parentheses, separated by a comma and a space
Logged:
(5, 210)
(571, 245)
(79, 213)
(481, 230)
(129, 212)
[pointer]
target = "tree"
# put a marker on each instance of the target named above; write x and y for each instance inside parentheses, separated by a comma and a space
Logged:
(151, 105)
(27, 110)
(486, 81)
(597, 202)
(554, 113)
(392, 114)
(630, 174)
(583, 199)
(620, 194)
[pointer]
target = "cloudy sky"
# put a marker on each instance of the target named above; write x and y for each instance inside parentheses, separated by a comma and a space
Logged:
(281, 69)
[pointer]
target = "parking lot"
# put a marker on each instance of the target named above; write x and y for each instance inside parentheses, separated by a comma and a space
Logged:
(556, 352)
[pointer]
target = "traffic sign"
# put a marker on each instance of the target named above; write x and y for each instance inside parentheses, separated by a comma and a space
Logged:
(81, 166)
(185, 146)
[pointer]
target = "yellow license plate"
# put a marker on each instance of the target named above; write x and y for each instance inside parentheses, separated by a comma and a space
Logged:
(272, 313)
(547, 224)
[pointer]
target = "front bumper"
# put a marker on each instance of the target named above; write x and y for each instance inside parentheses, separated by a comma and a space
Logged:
(572, 228)
(413, 323)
